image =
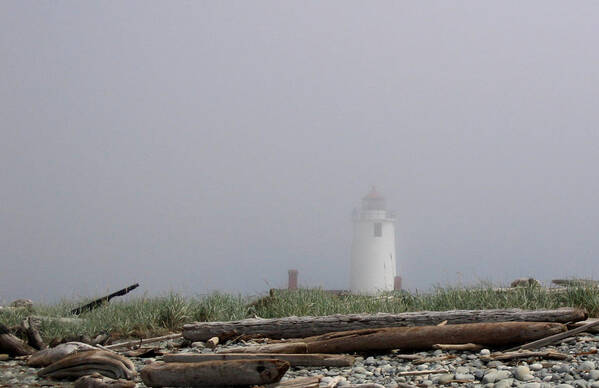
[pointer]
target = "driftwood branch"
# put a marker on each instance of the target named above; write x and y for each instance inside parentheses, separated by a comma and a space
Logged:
(300, 382)
(329, 360)
(300, 327)
(526, 354)
(421, 372)
(425, 360)
(105, 299)
(12, 345)
(412, 338)
(549, 340)
(143, 341)
(592, 330)
(461, 347)
(34, 339)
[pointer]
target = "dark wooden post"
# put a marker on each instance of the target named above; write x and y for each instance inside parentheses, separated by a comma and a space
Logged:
(292, 284)
(397, 283)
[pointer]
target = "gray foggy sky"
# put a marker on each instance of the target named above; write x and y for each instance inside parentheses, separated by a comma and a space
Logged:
(200, 146)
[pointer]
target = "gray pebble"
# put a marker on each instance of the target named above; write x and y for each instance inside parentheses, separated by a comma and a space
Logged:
(504, 383)
(587, 365)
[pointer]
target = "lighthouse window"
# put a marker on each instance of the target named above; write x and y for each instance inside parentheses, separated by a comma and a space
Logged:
(378, 229)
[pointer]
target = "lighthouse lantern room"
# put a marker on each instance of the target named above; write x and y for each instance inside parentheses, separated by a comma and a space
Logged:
(373, 263)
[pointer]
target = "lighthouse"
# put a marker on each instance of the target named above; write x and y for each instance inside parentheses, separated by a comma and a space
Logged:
(373, 263)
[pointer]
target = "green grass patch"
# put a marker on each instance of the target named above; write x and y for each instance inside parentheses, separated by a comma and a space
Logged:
(149, 316)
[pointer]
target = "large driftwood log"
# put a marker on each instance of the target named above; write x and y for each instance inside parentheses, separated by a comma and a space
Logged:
(416, 338)
(214, 373)
(12, 345)
(334, 360)
(299, 327)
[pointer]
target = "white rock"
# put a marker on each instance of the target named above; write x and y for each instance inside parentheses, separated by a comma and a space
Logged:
(522, 373)
(536, 366)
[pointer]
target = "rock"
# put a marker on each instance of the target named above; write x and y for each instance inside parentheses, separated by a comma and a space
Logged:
(485, 352)
(594, 374)
(504, 383)
(587, 365)
(370, 361)
(445, 379)
(464, 376)
(26, 303)
(536, 366)
(212, 342)
(579, 384)
(490, 378)
(4, 357)
(525, 282)
(522, 373)
(198, 345)
(531, 385)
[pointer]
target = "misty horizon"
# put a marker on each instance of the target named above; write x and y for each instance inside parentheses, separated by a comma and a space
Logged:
(211, 146)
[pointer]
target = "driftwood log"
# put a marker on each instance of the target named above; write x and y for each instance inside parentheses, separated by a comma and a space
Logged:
(34, 339)
(12, 345)
(214, 373)
(413, 338)
(549, 340)
(88, 362)
(105, 299)
(329, 360)
(593, 330)
(299, 327)
(49, 356)
(98, 381)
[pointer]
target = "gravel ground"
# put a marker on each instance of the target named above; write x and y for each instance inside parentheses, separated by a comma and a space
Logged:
(467, 369)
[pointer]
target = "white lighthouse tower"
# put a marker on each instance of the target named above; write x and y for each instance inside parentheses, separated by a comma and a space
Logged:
(373, 264)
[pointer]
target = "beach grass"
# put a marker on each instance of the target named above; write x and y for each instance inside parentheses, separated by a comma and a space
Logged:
(138, 317)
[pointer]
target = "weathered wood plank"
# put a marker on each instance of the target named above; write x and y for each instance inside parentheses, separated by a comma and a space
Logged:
(329, 360)
(299, 327)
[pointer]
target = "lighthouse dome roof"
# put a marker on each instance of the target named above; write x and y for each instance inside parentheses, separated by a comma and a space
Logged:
(373, 194)
(373, 200)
